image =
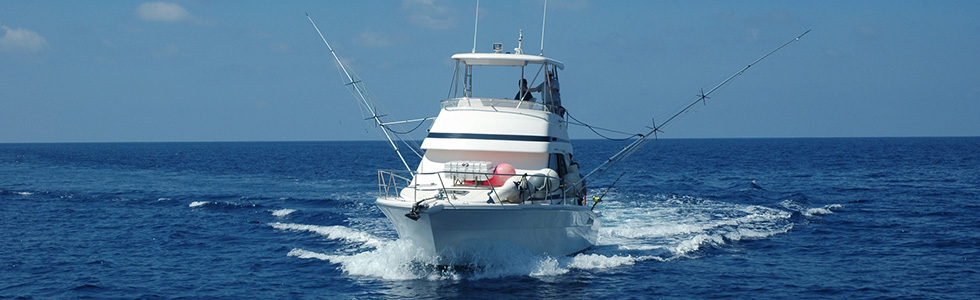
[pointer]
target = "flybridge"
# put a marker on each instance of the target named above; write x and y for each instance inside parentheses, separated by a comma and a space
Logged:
(505, 59)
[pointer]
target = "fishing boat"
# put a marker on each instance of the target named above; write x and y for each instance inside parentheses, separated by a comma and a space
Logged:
(496, 171)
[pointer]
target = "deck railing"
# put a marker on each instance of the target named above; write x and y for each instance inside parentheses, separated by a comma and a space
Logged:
(498, 103)
(391, 182)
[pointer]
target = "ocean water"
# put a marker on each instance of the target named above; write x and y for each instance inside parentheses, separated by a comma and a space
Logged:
(868, 218)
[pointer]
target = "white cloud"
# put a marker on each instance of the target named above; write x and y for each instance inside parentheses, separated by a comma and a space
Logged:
(162, 12)
(370, 38)
(21, 40)
(167, 51)
(429, 14)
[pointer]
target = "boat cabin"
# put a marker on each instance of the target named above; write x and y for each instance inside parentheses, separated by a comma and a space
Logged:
(483, 135)
(534, 82)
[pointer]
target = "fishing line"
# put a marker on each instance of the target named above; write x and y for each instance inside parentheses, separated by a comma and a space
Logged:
(593, 128)
(645, 138)
(406, 132)
(597, 199)
(703, 96)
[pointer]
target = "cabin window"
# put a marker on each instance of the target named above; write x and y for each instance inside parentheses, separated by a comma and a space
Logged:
(558, 162)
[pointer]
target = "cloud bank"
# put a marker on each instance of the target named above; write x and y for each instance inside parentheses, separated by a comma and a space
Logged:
(21, 40)
(162, 12)
(429, 14)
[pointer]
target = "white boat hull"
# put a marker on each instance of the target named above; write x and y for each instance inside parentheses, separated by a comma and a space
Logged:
(448, 231)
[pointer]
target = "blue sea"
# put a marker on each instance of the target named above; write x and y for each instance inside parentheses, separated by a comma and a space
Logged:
(822, 218)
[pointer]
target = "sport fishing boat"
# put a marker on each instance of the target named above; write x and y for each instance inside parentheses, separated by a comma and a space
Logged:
(495, 170)
(496, 173)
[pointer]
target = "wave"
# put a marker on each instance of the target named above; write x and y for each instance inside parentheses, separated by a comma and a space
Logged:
(281, 213)
(809, 212)
(402, 260)
(671, 226)
(217, 204)
(345, 234)
(826, 210)
(5, 192)
(657, 228)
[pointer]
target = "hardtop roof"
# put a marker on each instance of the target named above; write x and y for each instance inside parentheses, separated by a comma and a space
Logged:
(504, 59)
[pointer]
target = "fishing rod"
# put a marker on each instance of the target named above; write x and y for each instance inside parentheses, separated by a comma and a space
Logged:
(702, 96)
(597, 199)
(644, 138)
(355, 86)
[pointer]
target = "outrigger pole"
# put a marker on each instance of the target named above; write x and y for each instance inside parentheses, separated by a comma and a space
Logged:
(356, 88)
(702, 96)
(476, 24)
(644, 138)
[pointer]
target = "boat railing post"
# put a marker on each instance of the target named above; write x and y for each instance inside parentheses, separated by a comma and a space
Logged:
(389, 181)
(392, 183)
(493, 189)
(468, 82)
(443, 190)
(415, 190)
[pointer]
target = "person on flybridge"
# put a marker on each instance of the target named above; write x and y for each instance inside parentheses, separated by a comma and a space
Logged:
(523, 94)
(549, 92)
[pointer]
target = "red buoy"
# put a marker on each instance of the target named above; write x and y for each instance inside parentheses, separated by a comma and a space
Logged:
(501, 173)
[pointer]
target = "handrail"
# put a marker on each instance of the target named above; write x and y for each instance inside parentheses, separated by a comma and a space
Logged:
(473, 102)
(388, 185)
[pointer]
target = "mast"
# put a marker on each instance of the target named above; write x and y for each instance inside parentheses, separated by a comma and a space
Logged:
(358, 90)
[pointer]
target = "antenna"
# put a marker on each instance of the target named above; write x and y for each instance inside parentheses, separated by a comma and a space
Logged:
(543, 18)
(476, 24)
(520, 43)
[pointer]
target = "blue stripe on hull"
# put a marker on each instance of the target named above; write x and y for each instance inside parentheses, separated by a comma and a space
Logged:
(498, 137)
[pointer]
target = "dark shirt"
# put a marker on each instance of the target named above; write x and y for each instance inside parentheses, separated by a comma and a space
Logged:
(527, 96)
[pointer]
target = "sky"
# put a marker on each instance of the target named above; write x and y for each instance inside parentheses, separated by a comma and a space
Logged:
(132, 71)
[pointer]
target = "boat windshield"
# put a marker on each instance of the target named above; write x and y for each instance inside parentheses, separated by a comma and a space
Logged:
(508, 76)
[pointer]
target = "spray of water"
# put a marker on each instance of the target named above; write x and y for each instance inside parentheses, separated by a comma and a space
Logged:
(656, 228)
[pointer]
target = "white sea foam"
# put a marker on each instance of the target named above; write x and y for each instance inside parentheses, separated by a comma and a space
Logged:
(280, 213)
(198, 203)
(596, 261)
(810, 211)
(24, 193)
(395, 260)
(667, 227)
(826, 210)
(657, 228)
(402, 260)
(307, 254)
(348, 235)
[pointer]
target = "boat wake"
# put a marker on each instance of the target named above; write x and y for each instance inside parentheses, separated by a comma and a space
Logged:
(667, 227)
(635, 228)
